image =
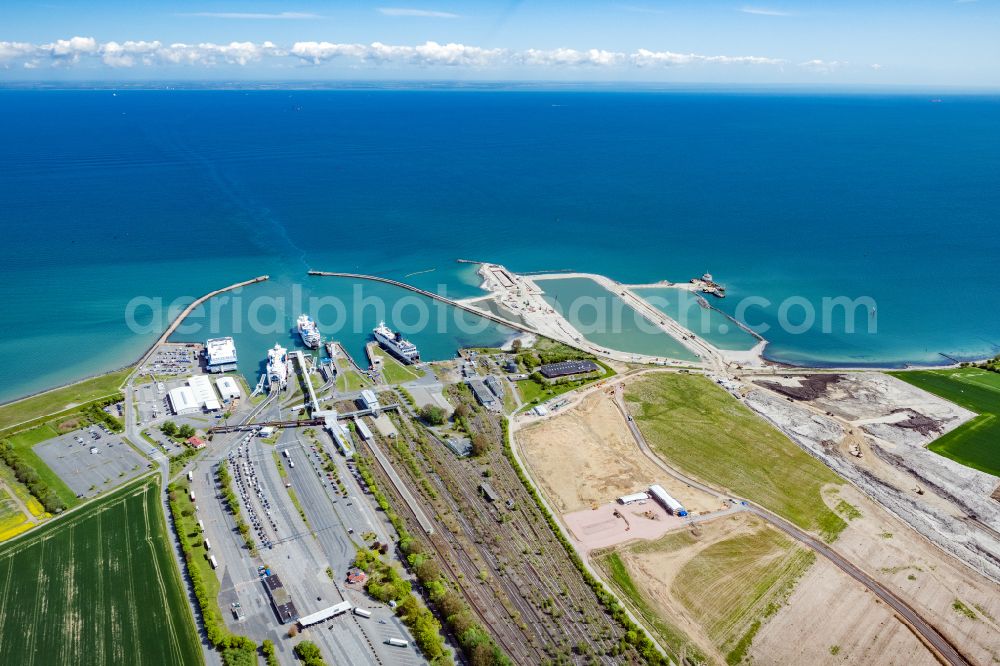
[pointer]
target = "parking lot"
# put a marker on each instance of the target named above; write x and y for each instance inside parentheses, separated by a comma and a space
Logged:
(91, 460)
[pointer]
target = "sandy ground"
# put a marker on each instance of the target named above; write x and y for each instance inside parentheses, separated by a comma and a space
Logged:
(928, 579)
(600, 528)
(586, 457)
(853, 624)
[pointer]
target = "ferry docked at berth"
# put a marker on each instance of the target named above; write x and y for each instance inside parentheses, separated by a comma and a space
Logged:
(277, 367)
(395, 344)
(308, 331)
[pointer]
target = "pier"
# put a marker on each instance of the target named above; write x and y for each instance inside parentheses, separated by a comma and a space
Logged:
(188, 310)
(431, 295)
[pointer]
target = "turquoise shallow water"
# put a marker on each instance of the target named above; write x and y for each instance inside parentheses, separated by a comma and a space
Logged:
(682, 306)
(605, 319)
(788, 199)
(345, 311)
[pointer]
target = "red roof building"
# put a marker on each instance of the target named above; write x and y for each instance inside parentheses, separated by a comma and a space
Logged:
(196, 442)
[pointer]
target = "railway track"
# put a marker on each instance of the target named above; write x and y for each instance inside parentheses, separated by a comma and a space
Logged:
(531, 575)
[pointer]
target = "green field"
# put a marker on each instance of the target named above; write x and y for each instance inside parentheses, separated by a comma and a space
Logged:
(348, 379)
(977, 443)
(98, 586)
(393, 371)
(711, 436)
(62, 399)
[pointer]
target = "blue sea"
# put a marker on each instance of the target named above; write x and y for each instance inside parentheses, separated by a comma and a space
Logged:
(114, 199)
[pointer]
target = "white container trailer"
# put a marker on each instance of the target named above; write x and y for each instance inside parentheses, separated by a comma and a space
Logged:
(362, 612)
(668, 502)
(398, 642)
(190, 476)
(201, 525)
(213, 562)
(192, 495)
(208, 546)
(284, 452)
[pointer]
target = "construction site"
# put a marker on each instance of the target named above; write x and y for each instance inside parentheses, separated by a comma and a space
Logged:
(721, 585)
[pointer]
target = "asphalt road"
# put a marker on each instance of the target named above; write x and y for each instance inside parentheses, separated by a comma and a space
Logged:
(918, 624)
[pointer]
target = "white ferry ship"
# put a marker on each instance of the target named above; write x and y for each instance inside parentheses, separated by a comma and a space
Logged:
(308, 332)
(394, 343)
(277, 367)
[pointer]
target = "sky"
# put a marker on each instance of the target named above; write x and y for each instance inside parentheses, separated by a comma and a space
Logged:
(945, 43)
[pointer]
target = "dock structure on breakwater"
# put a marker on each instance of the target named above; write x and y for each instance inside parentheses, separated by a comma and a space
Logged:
(188, 310)
(341, 416)
(429, 294)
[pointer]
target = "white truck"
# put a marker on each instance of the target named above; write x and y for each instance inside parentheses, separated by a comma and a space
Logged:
(398, 642)
(362, 612)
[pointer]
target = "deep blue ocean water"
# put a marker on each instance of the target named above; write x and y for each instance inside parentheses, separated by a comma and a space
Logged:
(164, 194)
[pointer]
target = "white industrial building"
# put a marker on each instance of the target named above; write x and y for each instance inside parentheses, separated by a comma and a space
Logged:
(204, 394)
(633, 498)
(182, 400)
(668, 502)
(370, 400)
(228, 387)
(220, 355)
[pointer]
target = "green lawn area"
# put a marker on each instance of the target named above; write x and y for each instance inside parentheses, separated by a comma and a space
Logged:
(348, 380)
(98, 586)
(708, 434)
(976, 443)
(393, 371)
(62, 399)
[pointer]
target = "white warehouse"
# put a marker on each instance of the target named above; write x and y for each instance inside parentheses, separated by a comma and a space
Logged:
(229, 389)
(204, 394)
(182, 400)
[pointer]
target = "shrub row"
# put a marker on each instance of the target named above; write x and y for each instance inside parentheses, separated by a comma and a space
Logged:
(634, 634)
(215, 627)
(476, 643)
(27, 475)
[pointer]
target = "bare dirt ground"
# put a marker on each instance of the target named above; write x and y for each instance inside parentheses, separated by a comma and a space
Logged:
(600, 528)
(928, 579)
(586, 457)
(848, 627)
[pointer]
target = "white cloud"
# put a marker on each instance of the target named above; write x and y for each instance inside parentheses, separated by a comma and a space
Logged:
(422, 13)
(572, 57)
(70, 50)
(824, 66)
(875, 66)
(131, 53)
(646, 58)
(256, 16)
(15, 51)
(764, 11)
(428, 53)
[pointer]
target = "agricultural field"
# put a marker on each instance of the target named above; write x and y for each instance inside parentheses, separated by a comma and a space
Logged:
(976, 443)
(13, 519)
(701, 429)
(98, 586)
(62, 399)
